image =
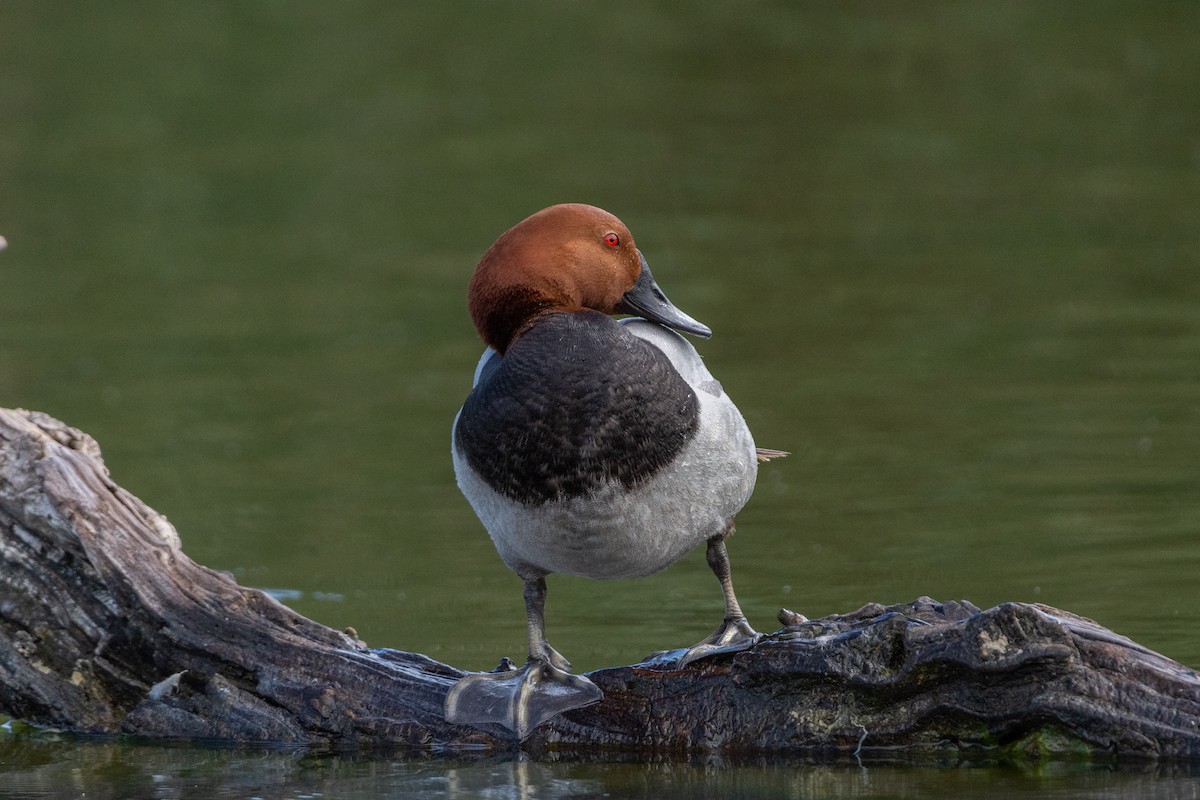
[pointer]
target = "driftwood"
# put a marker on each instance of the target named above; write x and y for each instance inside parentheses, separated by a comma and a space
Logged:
(107, 627)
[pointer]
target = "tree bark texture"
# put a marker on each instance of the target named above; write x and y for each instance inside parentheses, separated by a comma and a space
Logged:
(107, 627)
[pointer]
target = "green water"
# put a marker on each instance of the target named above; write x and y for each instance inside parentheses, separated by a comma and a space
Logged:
(121, 772)
(950, 253)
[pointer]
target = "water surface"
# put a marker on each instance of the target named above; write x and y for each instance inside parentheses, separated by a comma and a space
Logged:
(110, 770)
(949, 254)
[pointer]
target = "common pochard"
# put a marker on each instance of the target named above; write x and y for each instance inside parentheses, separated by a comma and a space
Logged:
(590, 446)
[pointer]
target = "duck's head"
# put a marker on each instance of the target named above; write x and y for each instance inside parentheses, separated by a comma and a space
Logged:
(566, 258)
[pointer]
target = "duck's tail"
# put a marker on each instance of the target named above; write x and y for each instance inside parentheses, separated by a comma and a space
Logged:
(766, 454)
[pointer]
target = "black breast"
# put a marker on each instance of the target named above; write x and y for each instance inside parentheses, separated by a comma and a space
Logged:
(575, 403)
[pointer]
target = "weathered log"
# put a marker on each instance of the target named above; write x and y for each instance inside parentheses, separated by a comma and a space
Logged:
(107, 627)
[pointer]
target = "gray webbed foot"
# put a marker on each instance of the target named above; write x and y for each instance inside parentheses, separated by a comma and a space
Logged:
(519, 700)
(522, 699)
(555, 658)
(733, 636)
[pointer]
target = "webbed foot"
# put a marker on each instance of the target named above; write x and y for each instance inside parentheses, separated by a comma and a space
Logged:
(733, 636)
(521, 699)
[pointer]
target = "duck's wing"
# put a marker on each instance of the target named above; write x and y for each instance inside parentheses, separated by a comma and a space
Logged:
(678, 350)
(689, 364)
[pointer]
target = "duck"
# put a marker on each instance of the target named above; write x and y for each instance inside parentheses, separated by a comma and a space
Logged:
(590, 446)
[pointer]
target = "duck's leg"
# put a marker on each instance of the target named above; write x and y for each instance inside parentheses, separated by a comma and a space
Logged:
(522, 699)
(535, 619)
(734, 633)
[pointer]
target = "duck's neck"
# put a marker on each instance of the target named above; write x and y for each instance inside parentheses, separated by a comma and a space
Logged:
(502, 315)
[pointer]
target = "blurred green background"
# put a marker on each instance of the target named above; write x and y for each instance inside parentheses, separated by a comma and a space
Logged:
(950, 253)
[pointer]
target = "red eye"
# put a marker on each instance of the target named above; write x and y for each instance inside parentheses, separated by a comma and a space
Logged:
(612, 240)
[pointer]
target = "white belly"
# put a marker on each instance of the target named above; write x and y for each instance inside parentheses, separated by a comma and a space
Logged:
(622, 533)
